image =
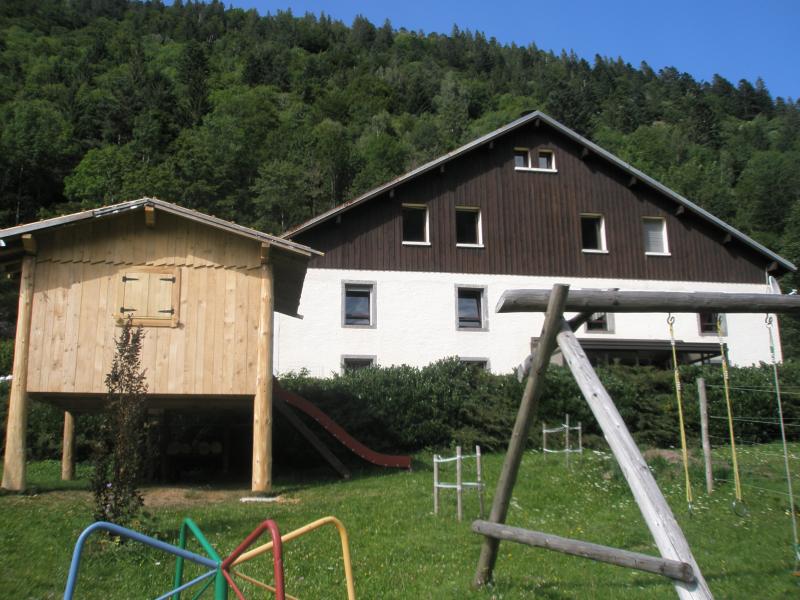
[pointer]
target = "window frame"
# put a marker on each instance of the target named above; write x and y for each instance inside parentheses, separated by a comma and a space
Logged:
(664, 236)
(609, 325)
(424, 207)
(723, 324)
(529, 152)
(149, 320)
(483, 309)
(602, 234)
(373, 360)
(478, 361)
(478, 226)
(372, 287)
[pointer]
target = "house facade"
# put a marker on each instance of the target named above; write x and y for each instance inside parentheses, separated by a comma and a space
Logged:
(412, 270)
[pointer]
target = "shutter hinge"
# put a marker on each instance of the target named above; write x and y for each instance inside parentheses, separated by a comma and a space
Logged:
(124, 309)
(170, 311)
(126, 278)
(170, 279)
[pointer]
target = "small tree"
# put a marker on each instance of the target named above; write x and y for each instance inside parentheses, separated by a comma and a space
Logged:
(118, 456)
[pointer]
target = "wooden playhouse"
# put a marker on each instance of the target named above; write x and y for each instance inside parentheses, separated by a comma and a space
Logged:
(203, 288)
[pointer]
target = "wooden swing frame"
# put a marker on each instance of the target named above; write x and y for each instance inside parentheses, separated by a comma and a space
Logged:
(676, 560)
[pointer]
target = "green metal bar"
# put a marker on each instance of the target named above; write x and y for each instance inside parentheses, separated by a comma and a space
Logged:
(220, 585)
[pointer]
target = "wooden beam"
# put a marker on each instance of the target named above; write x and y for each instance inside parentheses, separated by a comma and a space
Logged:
(491, 145)
(441, 169)
(313, 439)
(29, 243)
(727, 239)
(679, 210)
(519, 436)
(524, 367)
(68, 448)
(264, 253)
(17, 424)
(773, 266)
(654, 508)
(262, 402)
(536, 123)
(642, 302)
(632, 181)
(584, 153)
(633, 560)
(150, 216)
(11, 253)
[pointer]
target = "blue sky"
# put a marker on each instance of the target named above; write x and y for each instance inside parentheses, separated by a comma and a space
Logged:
(734, 38)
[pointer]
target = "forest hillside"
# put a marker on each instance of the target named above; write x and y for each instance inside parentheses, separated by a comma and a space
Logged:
(267, 120)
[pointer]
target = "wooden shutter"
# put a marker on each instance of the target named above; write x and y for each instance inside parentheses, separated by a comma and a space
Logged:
(160, 296)
(134, 294)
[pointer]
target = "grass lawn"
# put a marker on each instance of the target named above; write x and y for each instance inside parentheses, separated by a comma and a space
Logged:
(401, 550)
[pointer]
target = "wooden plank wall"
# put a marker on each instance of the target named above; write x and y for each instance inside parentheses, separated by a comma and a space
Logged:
(531, 222)
(78, 274)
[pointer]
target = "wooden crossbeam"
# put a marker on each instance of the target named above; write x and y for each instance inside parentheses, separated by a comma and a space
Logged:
(634, 560)
(641, 302)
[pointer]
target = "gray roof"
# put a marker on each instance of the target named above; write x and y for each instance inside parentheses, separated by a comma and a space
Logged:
(591, 146)
(12, 233)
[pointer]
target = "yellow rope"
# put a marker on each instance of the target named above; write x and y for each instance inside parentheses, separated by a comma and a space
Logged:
(726, 381)
(679, 397)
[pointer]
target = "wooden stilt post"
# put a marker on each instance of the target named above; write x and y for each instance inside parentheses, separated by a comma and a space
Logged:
(68, 448)
(701, 396)
(262, 403)
(17, 424)
(656, 512)
(519, 436)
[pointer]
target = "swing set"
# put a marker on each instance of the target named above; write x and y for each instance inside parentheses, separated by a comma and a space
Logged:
(738, 505)
(676, 560)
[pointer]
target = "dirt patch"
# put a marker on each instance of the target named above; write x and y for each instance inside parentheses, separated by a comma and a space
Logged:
(158, 497)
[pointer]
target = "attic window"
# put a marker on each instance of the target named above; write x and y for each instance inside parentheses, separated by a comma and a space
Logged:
(415, 224)
(545, 160)
(521, 158)
(541, 160)
(149, 296)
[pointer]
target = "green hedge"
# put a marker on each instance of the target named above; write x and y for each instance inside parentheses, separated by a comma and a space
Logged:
(446, 403)
(405, 409)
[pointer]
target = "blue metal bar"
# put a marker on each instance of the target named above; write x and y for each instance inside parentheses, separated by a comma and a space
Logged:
(72, 578)
(189, 584)
(205, 587)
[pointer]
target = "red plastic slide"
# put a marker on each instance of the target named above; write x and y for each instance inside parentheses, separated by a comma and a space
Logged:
(344, 438)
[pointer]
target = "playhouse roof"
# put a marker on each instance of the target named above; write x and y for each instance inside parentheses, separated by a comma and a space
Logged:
(290, 259)
(588, 146)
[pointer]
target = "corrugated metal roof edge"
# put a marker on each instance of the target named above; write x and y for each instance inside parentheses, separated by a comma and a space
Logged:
(169, 207)
(788, 265)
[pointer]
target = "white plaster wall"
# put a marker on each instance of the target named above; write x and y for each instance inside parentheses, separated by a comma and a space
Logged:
(416, 321)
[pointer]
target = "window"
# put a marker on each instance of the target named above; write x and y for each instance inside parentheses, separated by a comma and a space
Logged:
(470, 308)
(655, 235)
(415, 224)
(149, 296)
(707, 323)
(593, 233)
(521, 159)
(468, 226)
(534, 160)
(475, 363)
(545, 160)
(358, 304)
(600, 323)
(354, 363)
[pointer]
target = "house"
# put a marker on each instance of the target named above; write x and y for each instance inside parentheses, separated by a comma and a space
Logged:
(411, 270)
(204, 290)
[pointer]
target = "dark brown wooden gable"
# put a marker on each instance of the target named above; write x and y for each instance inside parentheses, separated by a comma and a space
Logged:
(531, 222)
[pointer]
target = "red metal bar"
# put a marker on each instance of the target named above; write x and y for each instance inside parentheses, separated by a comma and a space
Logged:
(277, 557)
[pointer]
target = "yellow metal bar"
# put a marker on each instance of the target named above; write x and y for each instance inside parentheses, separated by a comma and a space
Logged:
(348, 567)
(260, 584)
